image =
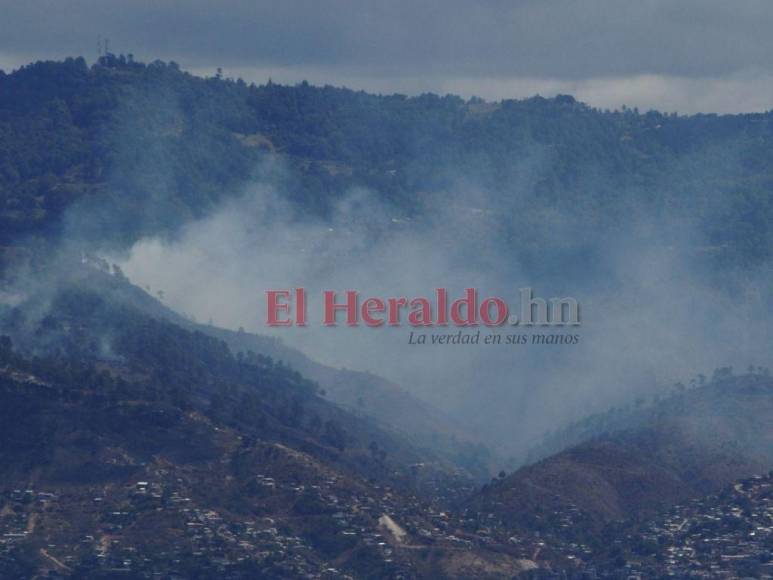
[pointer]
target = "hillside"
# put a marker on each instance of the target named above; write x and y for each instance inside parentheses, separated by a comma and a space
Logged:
(119, 150)
(689, 445)
(362, 394)
(729, 534)
(134, 446)
(80, 318)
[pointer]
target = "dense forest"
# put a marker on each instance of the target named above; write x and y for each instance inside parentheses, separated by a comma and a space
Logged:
(121, 149)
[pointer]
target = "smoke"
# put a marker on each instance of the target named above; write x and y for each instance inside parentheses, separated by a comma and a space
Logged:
(652, 312)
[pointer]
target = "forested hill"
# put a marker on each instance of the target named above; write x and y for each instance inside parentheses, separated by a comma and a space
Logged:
(121, 149)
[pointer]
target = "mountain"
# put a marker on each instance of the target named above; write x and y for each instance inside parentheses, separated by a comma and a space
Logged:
(686, 446)
(119, 150)
(363, 394)
(136, 446)
(369, 395)
(137, 442)
(87, 316)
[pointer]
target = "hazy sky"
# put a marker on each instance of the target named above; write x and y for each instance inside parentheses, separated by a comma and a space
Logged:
(685, 55)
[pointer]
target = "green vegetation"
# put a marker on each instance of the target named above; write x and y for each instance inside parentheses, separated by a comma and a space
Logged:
(132, 149)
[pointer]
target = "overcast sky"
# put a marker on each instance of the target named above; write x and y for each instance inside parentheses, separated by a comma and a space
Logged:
(683, 55)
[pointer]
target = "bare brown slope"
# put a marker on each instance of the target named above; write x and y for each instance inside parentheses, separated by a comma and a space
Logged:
(692, 445)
